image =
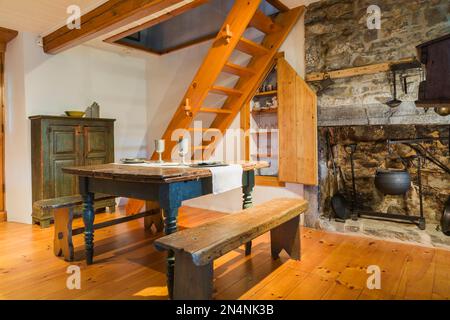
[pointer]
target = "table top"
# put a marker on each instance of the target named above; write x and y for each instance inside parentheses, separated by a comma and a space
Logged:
(136, 173)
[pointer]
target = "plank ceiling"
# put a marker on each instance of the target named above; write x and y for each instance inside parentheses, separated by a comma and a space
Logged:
(39, 16)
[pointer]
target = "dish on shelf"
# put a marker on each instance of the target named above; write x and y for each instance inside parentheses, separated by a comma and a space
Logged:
(75, 114)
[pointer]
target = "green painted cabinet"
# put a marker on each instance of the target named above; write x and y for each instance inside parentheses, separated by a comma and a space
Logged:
(58, 142)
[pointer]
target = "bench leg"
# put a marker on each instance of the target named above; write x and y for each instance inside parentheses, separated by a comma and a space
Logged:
(45, 223)
(192, 282)
(62, 243)
(287, 237)
(156, 220)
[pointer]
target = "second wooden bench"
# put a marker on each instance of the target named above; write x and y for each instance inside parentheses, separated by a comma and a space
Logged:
(196, 248)
(63, 210)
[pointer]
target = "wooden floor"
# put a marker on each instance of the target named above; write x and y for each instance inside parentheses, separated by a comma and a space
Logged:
(128, 267)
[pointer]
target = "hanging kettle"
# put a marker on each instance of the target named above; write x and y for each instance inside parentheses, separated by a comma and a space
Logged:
(392, 181)
(445, 220)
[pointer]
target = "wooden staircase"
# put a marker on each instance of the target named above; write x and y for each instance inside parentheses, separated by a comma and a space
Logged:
(244, 14)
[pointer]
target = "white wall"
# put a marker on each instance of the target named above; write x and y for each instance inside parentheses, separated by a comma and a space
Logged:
(141, 94)
(43, 84)
(168, 79)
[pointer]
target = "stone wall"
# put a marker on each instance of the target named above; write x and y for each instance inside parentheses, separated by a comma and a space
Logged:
(372, 153)
(337, 37)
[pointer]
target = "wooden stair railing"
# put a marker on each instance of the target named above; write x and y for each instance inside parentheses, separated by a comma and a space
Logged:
(244, 14)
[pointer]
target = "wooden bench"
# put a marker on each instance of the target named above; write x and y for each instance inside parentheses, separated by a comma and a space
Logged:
(43, 211)
(196, 248)
(63, 210)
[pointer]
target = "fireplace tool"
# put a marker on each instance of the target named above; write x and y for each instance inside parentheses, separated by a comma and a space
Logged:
(445, 220)
(357, 212)
(339, 204)
(394, 103)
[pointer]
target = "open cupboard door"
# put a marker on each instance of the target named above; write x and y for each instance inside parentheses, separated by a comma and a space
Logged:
(297, 116)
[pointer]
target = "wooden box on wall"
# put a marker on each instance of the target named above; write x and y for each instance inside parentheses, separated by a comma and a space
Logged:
(58, 142)
(435, 55)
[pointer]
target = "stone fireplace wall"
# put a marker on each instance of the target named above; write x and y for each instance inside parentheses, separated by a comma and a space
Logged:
(337, 37)
(372, 152)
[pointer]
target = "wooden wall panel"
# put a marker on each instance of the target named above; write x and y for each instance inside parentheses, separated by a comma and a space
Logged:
(287, 118)
(306, 132)
(2, 140)
(297, 116)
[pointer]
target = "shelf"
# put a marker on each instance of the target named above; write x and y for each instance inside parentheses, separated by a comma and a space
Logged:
(363, 70)
(264, 131)
(274, 111)
(268, 181)
(267, 93)
(264, 155)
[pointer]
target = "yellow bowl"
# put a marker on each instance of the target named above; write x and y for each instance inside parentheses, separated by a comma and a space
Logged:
(75, 114)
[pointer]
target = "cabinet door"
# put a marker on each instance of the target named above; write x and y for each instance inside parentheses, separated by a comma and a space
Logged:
(297, 116)
(97, 145)
(64, 147)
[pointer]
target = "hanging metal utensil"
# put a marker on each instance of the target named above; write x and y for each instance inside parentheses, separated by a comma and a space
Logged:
(405, 84)
(394, 103)
(339, 204)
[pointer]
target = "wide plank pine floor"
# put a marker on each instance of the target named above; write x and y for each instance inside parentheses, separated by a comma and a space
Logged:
(127, 266)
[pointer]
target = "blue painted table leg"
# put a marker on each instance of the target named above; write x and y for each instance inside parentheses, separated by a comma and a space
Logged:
(88, 219)
(169, 201)
(248, 185)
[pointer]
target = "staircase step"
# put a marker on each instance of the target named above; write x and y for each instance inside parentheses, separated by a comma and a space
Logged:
(251, 48)
(200, 147)
(226, 91)
(215, 110)
(263, 23)
(238, 70)
(204, 129)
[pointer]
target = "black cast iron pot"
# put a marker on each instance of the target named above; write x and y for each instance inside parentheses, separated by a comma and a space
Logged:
(445, 220)
(392, 181)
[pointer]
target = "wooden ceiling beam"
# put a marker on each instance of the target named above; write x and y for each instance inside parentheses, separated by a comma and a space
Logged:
(107, 17)
(6, 35)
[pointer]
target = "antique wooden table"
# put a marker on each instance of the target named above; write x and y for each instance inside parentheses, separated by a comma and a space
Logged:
(168, 186)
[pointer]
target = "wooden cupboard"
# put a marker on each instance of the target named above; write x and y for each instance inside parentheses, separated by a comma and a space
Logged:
(58, 142)
(285, 135)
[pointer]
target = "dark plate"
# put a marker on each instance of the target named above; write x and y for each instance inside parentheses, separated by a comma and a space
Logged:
(132, 161)
(208, 164)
